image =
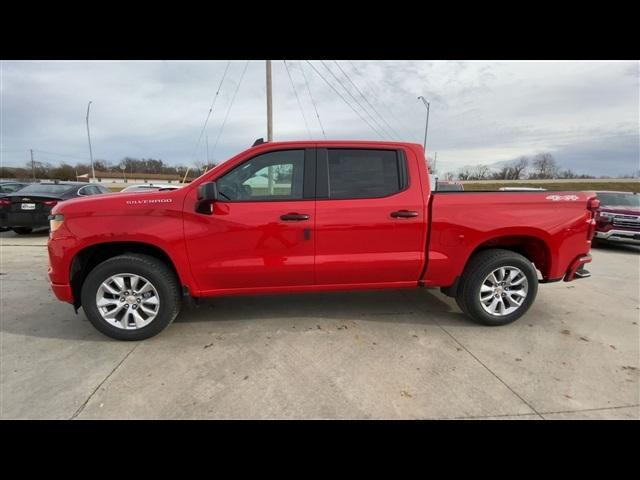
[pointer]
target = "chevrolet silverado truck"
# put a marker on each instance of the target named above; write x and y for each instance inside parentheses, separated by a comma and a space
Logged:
(286, 217)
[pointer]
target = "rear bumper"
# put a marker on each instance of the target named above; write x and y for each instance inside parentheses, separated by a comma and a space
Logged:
(19, 219)
(576, 269)
(620, 236)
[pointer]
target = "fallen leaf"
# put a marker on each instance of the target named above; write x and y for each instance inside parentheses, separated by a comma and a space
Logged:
(209, 345)
(406, 394)
(566, 332)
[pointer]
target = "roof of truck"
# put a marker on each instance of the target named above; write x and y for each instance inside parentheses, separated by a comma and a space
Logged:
(336, 142)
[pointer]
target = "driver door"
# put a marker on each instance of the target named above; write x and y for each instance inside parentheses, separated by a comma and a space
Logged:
(260, 236)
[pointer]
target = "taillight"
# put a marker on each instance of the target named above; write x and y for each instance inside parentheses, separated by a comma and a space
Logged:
(593, 204)
(50, 203)
(5, 202)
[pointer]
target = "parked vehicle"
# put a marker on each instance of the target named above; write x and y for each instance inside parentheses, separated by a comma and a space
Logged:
(29, 208)
(522, 189)
(449, 186)
(149, 187)
(8, 187)
(618, 217)
(334, 215)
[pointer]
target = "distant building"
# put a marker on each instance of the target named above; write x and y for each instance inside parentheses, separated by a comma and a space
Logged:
(115, 178)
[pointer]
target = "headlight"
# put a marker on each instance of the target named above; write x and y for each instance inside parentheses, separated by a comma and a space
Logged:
(55, 221)
(604, 217)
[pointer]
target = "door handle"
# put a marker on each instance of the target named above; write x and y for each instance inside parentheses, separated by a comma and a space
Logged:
(294, 217)
(404, 214)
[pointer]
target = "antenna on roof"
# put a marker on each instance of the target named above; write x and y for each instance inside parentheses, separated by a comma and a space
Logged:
(259, 141)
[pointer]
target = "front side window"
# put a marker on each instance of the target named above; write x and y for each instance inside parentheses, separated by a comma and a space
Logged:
(363, 173)
(270, 176)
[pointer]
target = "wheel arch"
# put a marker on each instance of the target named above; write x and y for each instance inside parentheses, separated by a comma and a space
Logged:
(89, 257)
(533, 248)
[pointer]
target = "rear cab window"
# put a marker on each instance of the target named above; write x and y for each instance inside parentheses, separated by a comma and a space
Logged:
(364, 173)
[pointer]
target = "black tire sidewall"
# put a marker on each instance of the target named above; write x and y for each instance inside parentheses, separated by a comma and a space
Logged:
(471, 299)
(22, 230)
(150, 268)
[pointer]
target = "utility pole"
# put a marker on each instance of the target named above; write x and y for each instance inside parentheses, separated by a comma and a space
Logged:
(435, 162)
(269, 104)
(93, 171)
(269, 126)
(426, 127)
(33, 168)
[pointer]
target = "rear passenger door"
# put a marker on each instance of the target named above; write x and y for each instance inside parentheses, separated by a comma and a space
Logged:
(370, 217)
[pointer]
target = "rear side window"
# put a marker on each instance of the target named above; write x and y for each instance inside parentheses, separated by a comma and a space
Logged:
(357, 173)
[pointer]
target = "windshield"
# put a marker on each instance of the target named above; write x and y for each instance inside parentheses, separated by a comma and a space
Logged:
(46, 189)
(618, 200)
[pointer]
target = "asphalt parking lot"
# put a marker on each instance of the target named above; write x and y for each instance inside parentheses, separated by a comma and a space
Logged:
(392, 355)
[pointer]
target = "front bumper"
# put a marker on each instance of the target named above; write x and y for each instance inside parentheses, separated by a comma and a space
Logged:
(62, 292)
(619, 236)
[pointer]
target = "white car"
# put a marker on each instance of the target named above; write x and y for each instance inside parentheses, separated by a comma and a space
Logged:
(150, 187)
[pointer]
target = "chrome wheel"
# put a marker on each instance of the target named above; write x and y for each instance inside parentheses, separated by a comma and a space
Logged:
(503, 291)
(128, 301)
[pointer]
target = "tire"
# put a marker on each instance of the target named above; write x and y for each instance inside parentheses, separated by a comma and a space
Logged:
(164, 286)
(479, 270)
(22, 230)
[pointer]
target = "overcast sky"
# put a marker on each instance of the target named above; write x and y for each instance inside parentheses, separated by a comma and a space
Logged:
(585, 113)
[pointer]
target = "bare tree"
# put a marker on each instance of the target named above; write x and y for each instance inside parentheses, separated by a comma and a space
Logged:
(519, 168)
(545, 166)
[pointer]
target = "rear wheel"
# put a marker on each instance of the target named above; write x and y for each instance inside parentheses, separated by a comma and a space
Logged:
(497, 287)
(22, 230)
(131, 297)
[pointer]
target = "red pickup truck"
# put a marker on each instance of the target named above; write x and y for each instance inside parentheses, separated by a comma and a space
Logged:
(313, 216)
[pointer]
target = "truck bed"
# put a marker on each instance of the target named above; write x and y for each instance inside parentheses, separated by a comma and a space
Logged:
(553, 227)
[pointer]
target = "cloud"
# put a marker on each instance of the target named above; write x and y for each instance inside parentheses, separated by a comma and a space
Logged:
(481, 112)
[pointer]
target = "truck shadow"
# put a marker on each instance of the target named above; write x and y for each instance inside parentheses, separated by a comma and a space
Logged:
(617, 247)
(417, 307)
(291, 312)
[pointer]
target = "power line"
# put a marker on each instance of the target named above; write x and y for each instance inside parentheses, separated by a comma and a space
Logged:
(378, 125)
(400, 122)
(343, 99)
(297, 98)
(312, 100)
(367, 100)
(229, 109)
(351, 95)
(213, 103)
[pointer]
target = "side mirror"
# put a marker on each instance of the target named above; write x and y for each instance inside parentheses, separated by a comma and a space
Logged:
(207, 194)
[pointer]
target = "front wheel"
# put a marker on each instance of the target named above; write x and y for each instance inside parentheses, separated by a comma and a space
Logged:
(131, 297)
(497, 287)
(22, 230)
